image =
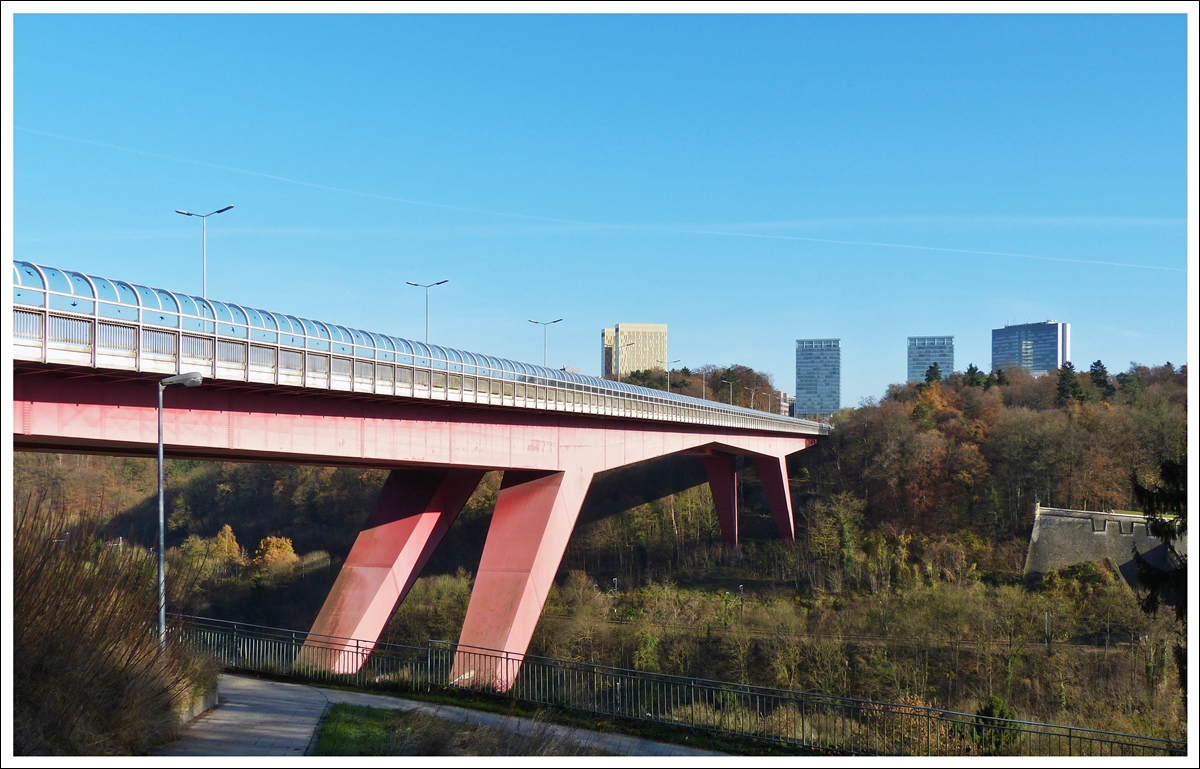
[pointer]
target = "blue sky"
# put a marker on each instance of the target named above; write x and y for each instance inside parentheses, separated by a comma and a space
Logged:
(748, 180)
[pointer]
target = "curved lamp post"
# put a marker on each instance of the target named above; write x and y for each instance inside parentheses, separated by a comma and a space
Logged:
(204, 245)
(545, 324)
(190, 379)
(726, 381)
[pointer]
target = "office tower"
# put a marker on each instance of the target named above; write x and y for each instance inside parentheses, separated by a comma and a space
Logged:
(1039, 348)
(633, 347)
(608, 353)
(818, 376)
(924, 351)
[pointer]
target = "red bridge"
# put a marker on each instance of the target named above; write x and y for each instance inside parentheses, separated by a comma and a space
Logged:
(88, 354)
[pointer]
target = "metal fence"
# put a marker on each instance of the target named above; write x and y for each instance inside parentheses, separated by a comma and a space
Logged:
(804, 720)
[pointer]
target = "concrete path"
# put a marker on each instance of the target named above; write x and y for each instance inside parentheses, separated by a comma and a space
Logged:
(253, 718)
(257, 717)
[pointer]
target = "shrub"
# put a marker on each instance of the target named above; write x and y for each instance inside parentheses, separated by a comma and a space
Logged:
(912, 727)
(991, 731)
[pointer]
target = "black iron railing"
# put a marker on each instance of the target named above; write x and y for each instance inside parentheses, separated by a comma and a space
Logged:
(800, 719)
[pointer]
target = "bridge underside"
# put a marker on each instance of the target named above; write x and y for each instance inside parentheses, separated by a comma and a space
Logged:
(554, 466)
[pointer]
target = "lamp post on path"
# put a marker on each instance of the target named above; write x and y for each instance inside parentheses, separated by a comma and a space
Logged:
(190, 379)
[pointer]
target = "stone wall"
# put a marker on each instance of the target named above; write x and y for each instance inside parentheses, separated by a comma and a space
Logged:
(1063, 538)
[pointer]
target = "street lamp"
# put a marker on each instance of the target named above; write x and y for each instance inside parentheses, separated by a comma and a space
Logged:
(427, 286)
(668, 365)
(752, 390)
(545, 324)
(204, 245)
(190, 379)
(726, 381)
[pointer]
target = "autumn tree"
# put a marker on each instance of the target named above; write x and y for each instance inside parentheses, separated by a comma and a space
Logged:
(274, 554)
(226, 546)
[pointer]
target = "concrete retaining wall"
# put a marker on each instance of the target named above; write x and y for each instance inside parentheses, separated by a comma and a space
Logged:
(1063, 538)
(201, 702)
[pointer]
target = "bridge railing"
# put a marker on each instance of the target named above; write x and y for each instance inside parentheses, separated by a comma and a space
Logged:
(75, 319)
(803, 720)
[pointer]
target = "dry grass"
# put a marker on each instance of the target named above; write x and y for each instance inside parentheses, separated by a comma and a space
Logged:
(88, 678)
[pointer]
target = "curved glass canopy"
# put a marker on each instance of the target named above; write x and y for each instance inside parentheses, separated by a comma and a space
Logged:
(74, 292)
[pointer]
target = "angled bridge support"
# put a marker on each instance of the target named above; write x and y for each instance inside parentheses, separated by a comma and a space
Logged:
(410, 517)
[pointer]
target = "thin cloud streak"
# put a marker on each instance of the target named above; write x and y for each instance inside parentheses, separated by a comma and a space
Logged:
(599, 225)
(997, 220)
(435, 231)
(878, 244)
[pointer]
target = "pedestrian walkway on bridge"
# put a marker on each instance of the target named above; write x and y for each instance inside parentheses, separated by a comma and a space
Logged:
(258, 717)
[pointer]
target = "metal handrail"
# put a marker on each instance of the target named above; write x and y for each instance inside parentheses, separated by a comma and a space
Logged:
(815, 721)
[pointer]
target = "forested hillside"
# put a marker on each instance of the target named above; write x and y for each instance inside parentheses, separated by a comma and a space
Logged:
(971, 453)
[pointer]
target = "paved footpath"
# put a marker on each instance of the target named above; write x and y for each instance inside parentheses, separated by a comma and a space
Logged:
(257, 717)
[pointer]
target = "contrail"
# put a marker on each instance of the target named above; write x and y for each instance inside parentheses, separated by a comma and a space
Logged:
(597, 225)
(932, 248)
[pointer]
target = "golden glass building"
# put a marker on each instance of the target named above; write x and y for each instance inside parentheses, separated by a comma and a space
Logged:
(633, 347)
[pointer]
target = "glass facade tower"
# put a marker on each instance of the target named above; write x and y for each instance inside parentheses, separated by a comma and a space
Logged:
(924, 351)
(1039, 348)
(818, 376)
